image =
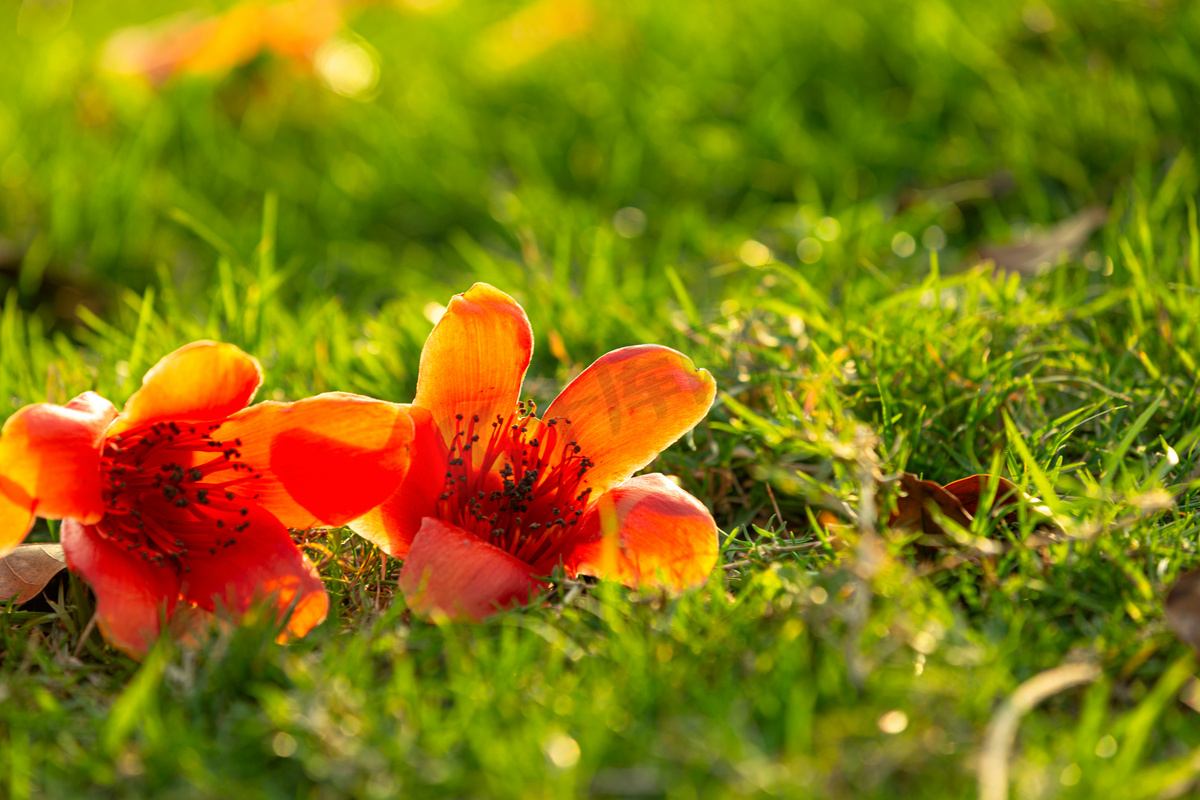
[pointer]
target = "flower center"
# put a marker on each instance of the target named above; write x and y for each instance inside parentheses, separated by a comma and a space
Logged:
(172, 491)
(515, 482)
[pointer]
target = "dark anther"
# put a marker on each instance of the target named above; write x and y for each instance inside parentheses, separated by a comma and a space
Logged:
(195, 474)
(202, 497)
(229, 495)
(181, 501)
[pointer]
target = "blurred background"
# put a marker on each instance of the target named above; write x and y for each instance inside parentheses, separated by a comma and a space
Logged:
(406, 148)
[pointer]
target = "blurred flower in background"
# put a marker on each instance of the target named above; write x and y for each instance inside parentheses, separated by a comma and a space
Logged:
(191, 44)
(310, 33)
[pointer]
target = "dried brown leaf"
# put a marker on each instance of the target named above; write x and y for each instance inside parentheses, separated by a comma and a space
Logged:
(1049, 247)
(913, 508)
(1183, 608)
(25, 571)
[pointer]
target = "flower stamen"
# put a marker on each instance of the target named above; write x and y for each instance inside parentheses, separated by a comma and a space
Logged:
(172, 490)
(519, 490)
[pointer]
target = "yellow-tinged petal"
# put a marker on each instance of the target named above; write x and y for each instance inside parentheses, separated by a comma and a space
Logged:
(50, 463)
(199, 382)
(475, 359)
(628, 407)
(647, 532)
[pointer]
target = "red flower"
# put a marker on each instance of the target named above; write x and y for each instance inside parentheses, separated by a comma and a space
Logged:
(187, 495)
(501, 497)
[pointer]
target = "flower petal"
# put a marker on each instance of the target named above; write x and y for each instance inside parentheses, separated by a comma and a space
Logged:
(261, 562)
(131, 592)
(476, 357)
(16, 518)
(628, 406)
(647, 532)
(50, 461)
(198, 382)
(324, 460)
(394, 523)
(453, 573)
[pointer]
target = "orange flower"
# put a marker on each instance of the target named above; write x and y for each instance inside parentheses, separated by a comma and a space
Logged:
(502, 498)
(188, 494)
(215, 45)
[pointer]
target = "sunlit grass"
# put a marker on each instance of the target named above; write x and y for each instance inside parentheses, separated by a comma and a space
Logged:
(791, 195)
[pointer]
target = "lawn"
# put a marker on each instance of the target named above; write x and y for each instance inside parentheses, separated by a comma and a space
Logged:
(937, 238)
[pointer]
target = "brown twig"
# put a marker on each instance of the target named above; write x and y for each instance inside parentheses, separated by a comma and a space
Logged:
(1001, 732)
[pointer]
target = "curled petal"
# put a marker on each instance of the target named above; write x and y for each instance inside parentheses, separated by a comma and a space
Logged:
(453, 573)
(475, 359)
(394, 523)
(629, 406)
(199, 382)
(50, 463)
(258, 562)
(647, 532)
(132, 594)
(324, 460)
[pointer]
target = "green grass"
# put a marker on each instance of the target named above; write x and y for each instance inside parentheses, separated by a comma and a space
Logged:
(311, 230)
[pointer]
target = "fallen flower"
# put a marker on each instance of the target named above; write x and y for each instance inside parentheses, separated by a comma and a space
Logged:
(186, 44)
(187, 495)
(502, 498)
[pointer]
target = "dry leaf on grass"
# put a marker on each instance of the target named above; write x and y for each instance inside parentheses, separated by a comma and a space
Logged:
(914, 507)
(1183, 608)
(25, 571)
(958, 502)
(923, 505)
(1048, 247)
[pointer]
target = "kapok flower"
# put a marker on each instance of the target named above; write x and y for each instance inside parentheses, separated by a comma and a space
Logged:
(500, 498)
(186, 44)
(187, 495)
